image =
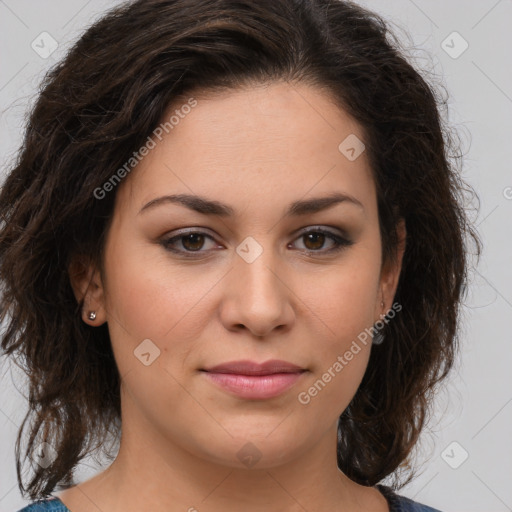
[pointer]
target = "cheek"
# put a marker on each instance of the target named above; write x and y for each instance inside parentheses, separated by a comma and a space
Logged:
(157, 301)
(343, 299)
(342, 343)
(341, 304)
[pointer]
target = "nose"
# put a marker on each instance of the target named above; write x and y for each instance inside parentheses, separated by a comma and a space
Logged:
(258, 296)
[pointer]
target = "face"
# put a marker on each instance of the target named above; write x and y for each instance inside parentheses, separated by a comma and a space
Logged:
(273, 252)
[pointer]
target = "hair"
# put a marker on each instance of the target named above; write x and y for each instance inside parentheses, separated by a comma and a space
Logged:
(100, 103)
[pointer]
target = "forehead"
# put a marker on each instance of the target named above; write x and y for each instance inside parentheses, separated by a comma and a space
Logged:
(279, 140)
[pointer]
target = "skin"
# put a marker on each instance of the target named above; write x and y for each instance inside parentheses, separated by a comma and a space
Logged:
(256, 149)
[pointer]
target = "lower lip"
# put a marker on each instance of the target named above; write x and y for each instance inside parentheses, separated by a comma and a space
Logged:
(258, 387)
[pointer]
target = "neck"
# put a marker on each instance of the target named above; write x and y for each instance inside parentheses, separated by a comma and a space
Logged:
(151, 472)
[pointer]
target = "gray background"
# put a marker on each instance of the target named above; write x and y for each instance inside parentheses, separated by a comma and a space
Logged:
(474, 410)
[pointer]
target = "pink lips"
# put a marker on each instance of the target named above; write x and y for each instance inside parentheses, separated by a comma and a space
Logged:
(248, 379)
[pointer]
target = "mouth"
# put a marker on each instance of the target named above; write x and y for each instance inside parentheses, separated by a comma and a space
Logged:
(256, 381)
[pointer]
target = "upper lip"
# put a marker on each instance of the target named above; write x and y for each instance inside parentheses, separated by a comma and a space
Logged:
(253, 368)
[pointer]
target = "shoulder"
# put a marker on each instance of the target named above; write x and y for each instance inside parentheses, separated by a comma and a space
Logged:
(47, 505)
(399, 503)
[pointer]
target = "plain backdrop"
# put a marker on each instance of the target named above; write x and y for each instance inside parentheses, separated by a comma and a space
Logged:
(466, 454)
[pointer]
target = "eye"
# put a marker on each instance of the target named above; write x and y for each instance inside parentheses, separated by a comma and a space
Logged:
(191, 243)
(314, 240)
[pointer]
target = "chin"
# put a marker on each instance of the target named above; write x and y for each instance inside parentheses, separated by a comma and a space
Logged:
(254, 450)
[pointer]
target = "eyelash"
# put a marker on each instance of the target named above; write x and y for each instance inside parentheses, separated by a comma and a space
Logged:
(339, 242)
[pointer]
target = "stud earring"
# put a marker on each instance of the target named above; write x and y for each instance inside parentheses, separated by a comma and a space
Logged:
(92, 315)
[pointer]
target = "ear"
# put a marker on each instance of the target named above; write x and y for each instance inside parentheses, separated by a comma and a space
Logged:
(87, 285)
(390, 272)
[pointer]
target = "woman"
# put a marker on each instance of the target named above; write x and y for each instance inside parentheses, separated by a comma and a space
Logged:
(234, 244)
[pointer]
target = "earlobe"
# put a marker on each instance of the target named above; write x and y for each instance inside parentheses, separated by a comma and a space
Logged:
(85, 280)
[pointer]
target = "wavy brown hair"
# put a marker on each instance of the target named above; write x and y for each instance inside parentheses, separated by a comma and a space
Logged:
(102, 101)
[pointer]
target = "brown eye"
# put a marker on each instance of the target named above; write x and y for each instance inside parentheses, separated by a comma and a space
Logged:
(187, 244)
(315, 240)
(193, 241)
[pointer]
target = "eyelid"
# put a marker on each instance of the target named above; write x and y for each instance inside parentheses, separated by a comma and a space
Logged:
(337, 231)
(325, 228)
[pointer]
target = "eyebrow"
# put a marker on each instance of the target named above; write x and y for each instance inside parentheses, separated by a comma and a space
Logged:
(209, 207)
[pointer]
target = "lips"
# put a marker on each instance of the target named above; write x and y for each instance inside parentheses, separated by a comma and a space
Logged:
(255, 381)
(252, 368)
